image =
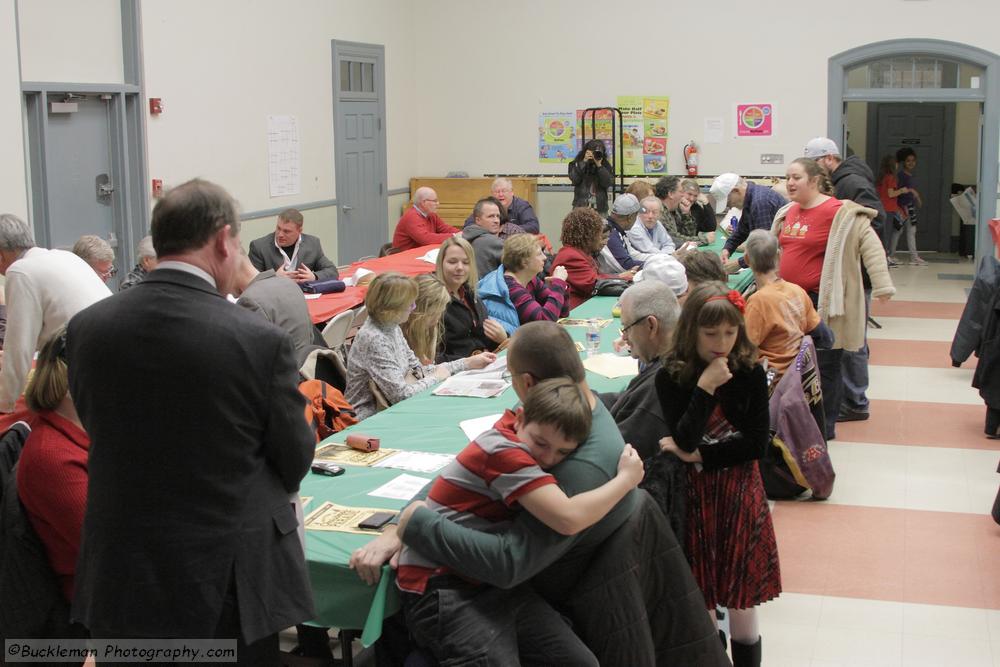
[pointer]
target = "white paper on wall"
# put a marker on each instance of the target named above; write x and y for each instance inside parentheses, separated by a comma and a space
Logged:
(284, 163)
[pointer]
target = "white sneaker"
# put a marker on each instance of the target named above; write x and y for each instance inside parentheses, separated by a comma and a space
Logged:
(917, 261)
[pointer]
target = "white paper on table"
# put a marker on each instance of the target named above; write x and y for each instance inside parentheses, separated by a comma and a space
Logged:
(611, 365)
(493, 371)
(430, 256)
(475, 386)
(473, 428)
(403, 487)
(307, 297)
(416, 461)
(351, 281)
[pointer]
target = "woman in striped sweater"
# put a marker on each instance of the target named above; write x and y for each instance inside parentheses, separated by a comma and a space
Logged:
(514, 294)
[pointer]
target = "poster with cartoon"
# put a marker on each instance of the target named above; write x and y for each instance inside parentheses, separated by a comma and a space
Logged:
(754, 120)
(645, 137)
(556, 137)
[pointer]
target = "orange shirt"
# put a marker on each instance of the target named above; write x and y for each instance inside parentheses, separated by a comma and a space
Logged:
(777, 317)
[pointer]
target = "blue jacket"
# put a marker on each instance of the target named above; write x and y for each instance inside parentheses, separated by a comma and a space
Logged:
(496, 297)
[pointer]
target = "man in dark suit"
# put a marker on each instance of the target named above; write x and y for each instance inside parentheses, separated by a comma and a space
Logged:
(290, 252)
(189, 530)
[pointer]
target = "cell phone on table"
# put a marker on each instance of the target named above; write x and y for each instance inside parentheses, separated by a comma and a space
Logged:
(326, 468)
(377, 520)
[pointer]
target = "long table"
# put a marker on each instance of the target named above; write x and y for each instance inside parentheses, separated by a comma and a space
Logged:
(406, 262)
(423, 423)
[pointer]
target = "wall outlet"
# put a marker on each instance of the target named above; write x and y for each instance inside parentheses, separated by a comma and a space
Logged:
(772, 158)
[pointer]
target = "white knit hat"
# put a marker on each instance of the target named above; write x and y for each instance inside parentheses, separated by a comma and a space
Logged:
(667, 270)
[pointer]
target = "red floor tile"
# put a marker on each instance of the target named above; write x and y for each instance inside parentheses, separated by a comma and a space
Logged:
(918, 353)
(889, 554)
(948, 311)
(921, 424)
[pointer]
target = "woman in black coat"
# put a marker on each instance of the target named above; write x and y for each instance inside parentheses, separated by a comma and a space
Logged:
(591, 175)
(466, 327)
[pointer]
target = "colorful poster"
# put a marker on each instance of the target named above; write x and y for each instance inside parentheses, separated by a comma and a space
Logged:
(556, 136)
(754, 120)
(645, 134)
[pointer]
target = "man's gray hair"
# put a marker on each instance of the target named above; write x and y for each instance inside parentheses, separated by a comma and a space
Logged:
(505, 183)
(762, 251)
(15, 234)
(91, 248)
(145, 248)
(421, 194)
(651, 297)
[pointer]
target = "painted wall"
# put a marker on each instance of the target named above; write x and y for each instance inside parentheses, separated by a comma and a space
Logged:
(483, 114)
(274, 59)
(71, 41)
(13, 195)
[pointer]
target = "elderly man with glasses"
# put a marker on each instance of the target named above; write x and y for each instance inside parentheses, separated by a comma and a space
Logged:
(649, 315)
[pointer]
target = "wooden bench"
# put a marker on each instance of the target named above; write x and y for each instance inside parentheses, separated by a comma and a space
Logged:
(457, 196)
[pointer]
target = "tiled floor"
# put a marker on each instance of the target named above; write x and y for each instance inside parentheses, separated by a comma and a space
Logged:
(901, 566)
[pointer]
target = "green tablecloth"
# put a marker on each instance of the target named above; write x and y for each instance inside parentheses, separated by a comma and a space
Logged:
(423, 423)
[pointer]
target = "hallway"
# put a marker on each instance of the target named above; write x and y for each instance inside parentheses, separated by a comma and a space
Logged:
(901, 566)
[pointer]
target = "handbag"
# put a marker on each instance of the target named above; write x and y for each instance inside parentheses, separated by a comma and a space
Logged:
(323, 286)
(610, 287)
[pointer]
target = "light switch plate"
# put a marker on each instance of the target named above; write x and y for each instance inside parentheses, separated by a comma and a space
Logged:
(772, 158)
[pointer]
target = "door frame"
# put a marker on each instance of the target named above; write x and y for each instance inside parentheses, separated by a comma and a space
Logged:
(988, 94)
(947, 163)
(127, 163)
(341, 49)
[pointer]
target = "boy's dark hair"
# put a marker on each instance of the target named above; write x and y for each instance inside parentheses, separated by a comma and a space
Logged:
(544, 350)
(560, 403)
(702, 267)
(904, 153)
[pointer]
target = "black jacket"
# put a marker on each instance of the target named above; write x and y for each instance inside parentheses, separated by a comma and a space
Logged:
(192, 472)
(969, 334)
(744, 403)
(638, 605)
(583, 177)
(463, 329)
(704, 214)
(854, 180)
(987, 376)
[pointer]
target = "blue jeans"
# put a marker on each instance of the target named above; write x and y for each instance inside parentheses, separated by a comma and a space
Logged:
(855, 370)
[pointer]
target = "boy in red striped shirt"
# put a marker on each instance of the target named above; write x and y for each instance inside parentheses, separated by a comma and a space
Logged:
(502, 468)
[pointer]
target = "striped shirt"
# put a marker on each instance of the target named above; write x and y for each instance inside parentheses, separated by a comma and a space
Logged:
(477, 490)
(538, 300)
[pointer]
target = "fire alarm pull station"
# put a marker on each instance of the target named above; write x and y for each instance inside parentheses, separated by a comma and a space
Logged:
(155, 106)
(157, 188)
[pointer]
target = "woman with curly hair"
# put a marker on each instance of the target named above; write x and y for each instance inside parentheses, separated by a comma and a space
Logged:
(582, 238)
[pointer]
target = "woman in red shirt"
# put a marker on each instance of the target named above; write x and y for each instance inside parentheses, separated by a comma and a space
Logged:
(823, 241)
(52, 470)
(582, 238)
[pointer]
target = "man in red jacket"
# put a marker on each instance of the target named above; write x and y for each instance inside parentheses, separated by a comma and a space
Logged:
(420, 224)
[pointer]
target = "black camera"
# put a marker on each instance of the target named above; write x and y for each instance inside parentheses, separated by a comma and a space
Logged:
(598, 154)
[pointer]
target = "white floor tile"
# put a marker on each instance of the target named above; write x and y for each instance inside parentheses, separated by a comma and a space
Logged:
(914, 328)
(862, 648)
(927, 620)
(783, 644)
(854, 613)
(993, 624)
(940, 652)
(791, 609)
(933, 385)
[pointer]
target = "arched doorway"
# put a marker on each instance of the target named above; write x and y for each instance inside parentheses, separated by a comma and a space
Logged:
(930, 72)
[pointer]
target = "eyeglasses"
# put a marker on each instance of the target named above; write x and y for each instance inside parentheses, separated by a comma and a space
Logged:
(634, 322)
(110, 273)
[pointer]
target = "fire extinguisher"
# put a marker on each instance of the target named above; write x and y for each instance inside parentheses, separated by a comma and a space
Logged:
(691, 158)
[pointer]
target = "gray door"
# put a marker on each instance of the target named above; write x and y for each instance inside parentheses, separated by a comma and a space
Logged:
(78, 172)
(359, 228)
(922, 128)
(359, 149)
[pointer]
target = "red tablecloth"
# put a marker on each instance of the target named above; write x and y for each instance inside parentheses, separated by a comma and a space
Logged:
(405, 262)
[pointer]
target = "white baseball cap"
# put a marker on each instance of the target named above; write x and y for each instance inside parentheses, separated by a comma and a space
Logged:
(820, 147)
(721, 187)
(667, 269)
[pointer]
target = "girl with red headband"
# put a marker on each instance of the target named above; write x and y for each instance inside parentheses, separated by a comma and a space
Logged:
(714, 399)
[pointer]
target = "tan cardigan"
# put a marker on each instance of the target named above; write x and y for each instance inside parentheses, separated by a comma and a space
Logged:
(841, 291)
